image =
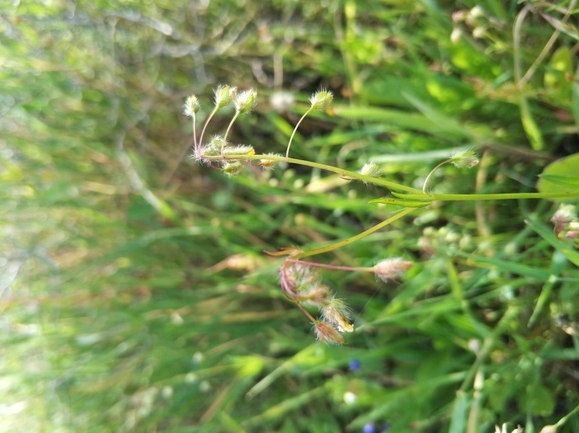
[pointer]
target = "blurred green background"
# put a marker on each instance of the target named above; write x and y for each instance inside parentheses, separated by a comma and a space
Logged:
(134, 292)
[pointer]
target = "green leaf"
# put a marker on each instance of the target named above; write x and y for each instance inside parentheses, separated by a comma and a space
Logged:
(572, 181)
(560, 176)
(538, 401)
(458, 419)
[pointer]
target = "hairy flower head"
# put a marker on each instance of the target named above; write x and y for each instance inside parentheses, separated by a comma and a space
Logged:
(337, 312)
(327, 334)
(191, 106)
(391, 269)
(321, 100)
(245, 101)
(464, 159)
(224, 96)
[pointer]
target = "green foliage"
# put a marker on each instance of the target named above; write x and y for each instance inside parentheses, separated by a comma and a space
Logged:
(134, 292)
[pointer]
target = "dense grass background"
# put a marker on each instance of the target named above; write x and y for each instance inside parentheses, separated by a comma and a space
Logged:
(134, 293)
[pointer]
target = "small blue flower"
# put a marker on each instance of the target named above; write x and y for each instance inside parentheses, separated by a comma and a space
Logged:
(369, 428)
(354, 365)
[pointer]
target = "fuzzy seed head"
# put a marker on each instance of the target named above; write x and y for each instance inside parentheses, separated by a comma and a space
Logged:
(245, 101)
(301, 277)
(321, 100)
(317, 294)
(224, 96)
(337, 313)
(191, 106)
(391, 269)
(327, 334)
(465, 159)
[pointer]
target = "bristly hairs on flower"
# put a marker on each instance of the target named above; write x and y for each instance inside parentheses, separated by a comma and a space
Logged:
(464, 159)
(245, 101)
(224, 96)
(191, 106)
(326, 333)
(300, 283)
(321, 100)
(391, 269)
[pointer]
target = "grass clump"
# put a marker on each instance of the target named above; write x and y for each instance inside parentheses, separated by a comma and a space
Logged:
(135, 292)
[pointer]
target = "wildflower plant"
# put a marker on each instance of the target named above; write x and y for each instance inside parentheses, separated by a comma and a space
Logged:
(300, 281)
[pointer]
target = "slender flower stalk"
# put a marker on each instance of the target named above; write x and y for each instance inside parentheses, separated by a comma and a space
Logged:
(320, 101)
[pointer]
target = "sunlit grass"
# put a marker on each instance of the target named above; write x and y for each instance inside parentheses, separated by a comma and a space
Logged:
(134, 291)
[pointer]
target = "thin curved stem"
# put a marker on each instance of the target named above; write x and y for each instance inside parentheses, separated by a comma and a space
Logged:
(200, 143)
(294, 132)
(431, 173)
(230, 125)
(353, 238)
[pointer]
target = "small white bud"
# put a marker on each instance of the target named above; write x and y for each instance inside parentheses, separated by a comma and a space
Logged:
(191, 106)
(245, 101)
(391, 269)
(464, 159)
(224, 96)
(321, 100)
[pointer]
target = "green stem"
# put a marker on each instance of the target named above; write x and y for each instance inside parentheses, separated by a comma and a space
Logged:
(195, 146)
(294, 132)
(334, 267)
(331, 168)
(200, 143)
(353, 238)
(431, 172)
(505, 196)
(563, 420)
(230, 125)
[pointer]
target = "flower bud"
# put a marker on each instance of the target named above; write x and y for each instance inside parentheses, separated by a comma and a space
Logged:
(455, 35)
(224, 95)
(464, 159)
(191, 106)
(214, 147)
(321, 100)
(245, 101)
(391, 269)
(232, 168)
(326, 333)
(565, 216)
